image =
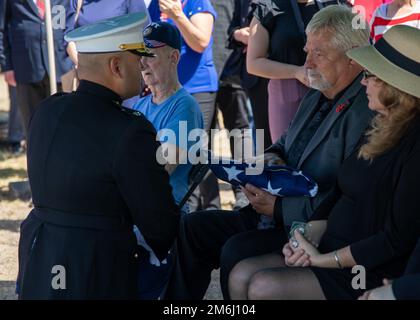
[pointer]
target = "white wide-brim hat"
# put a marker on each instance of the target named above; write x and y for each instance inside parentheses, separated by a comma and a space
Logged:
(395, 58)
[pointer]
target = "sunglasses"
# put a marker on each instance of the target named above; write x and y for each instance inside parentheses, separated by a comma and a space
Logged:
(367, 75)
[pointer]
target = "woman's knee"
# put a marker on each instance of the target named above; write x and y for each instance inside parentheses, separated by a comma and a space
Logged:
(241, 273)
(263, 286)
(258, 286)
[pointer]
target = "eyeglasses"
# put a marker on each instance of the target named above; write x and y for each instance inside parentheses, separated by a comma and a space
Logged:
(367, 75)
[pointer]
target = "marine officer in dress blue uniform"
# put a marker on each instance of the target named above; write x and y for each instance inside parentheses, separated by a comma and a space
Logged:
(94, 175)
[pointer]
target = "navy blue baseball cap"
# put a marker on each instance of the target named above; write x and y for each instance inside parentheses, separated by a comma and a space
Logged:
(159, 34)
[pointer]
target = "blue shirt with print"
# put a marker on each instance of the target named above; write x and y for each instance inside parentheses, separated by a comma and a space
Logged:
(94, 10)
(179, 108)
(197, 72)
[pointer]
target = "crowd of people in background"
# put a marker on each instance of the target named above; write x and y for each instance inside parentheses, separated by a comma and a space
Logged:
(300, 71)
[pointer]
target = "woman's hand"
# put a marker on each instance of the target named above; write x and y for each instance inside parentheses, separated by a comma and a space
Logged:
(302, 251)
(242, 35)
(196, 30)
(72, 53)
(300, 243)
(381, 293)
(172, 8)
(262, 201)
(297, 258)
(9, 76)
(301, 75)
(315, 230)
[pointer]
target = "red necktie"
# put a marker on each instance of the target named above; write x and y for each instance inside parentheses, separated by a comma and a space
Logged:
(41, 8)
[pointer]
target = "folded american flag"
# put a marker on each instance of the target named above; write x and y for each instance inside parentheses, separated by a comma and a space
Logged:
(278, 180)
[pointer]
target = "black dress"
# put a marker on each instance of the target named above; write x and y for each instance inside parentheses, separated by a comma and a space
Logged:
(375, 210)
(282, 20)
(279, 19)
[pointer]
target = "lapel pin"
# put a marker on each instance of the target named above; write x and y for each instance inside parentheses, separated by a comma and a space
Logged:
(341, 107)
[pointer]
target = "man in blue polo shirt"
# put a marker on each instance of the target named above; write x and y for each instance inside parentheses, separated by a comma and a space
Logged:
(169, 106)
(197, 73)
(174, 113)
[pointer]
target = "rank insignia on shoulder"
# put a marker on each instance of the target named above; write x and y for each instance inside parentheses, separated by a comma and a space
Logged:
(60, 93)
(131, 111)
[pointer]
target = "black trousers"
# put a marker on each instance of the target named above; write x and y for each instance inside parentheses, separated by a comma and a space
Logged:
(206, 196)
(211, 239)
(15, 130)
(258, 95)
(232, 103)
(29, 95)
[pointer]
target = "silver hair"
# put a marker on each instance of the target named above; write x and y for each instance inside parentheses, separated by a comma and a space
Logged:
(341, 22)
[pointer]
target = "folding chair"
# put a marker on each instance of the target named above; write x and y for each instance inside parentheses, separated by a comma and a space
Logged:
(196, 175)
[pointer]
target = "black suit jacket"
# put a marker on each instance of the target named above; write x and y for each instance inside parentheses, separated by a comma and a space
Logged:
(408, 286)
(93, 173)
(333, 142)
(23, 40)
(2, 18)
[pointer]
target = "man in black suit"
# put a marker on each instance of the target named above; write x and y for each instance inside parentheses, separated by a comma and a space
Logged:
(23, 43)
(330, 121)
(15, 130)
(93, 173)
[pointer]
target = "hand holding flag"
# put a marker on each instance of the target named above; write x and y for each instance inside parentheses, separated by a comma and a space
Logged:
(278, 180)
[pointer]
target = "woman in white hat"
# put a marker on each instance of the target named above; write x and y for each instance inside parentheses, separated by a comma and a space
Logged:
(373, 217)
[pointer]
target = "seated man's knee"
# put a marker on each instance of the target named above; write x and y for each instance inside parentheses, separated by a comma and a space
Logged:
(196, 227)
(191, 221)
(230, 254)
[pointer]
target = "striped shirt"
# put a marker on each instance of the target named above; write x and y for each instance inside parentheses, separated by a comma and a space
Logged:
(380, 22)
(368, 6)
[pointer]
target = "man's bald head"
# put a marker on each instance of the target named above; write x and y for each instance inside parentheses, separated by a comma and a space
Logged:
(118, 71)
(95, 63)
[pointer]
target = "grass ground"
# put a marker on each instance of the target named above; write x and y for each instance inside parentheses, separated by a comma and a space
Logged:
(13, 211)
